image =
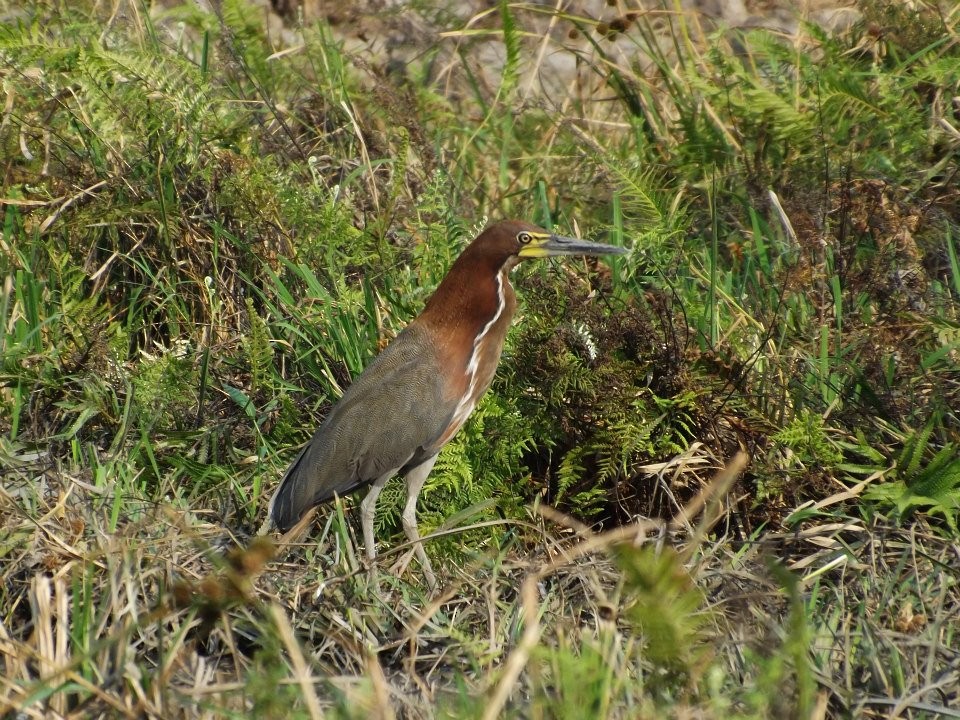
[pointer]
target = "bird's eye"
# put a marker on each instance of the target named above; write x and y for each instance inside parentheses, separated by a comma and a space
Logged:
(523, 237)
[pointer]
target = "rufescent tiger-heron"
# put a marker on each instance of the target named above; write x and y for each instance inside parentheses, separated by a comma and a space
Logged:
(416, 394)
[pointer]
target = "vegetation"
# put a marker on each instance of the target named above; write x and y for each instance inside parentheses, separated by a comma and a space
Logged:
(205, 235)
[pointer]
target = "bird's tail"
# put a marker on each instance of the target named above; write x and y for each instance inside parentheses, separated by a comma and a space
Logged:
(283, 511)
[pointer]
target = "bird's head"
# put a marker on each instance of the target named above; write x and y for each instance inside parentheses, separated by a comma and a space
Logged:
(476, 285)
(510, 241)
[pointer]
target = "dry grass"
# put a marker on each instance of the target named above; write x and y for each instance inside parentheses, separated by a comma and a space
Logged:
(163, 622)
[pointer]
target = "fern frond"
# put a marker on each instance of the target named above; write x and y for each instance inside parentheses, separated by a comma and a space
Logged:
(452, 472)
(143, 94)
(914, 450)
(511, 44)
(570, 471)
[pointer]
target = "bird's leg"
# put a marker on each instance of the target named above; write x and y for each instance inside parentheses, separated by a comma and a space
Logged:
(368, 507)
(415, 479)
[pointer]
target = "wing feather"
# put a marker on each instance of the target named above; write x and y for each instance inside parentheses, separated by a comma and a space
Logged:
(395, 411)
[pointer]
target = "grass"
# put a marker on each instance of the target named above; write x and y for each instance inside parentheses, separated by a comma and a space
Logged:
(206, 235)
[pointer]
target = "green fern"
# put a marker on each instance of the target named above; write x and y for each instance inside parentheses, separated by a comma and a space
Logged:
(165, 387)
(570, 471)
(511, 44)
(932, 485)
(259, 352)
(806, 436)
(914, 450)
(141, 100)
(453, 472)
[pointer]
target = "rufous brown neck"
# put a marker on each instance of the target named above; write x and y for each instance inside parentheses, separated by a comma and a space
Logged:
(469, 295)
(475, 296)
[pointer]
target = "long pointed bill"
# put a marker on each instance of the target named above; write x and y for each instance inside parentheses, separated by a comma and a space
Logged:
(547, 245)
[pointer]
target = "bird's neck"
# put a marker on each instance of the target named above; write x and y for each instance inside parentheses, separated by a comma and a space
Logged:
(473, 300)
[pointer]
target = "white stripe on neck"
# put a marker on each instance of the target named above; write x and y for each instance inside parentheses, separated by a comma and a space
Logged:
(467, 402)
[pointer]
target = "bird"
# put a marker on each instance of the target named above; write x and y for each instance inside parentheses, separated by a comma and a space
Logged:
(414, 397)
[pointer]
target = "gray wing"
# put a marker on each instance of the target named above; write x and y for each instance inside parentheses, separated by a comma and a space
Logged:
(392, 413)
